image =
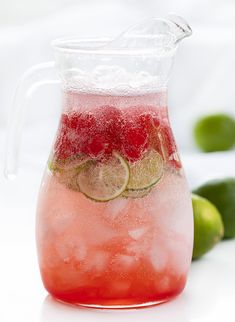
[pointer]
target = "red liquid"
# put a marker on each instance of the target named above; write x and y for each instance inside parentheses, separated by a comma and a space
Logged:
(141, 284)
(126, 252)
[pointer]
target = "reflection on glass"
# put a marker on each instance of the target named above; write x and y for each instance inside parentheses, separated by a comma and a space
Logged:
(174, 311)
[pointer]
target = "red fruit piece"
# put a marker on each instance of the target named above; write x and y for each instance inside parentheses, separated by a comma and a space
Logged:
(73, 134)
(145, 116)
(134, 141)
(110, 124)
(63, 147)
(168, 146)
(86, 128)
(140, 131)
(149, 122)
(96, 134)
(96, 146)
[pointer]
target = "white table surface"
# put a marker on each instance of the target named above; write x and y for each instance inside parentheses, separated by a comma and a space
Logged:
(209, 295)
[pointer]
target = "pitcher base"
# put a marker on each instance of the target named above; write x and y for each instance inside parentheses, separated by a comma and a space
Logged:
(119, 306)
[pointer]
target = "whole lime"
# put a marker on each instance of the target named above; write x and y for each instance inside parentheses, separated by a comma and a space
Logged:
(215, 132)
(221, 193)
(208, 226)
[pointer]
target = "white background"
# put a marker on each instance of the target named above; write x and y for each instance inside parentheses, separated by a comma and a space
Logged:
(202, 81)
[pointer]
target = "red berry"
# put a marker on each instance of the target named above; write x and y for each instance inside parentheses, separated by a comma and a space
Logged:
(96, 145)
(87, 120)
(85, 131)
(74, 121)
(168, 138)
(110, 124)
(62, 148)
(149, 121)
(62, 145)
(73, 134)
(134, 141)
(168, 146)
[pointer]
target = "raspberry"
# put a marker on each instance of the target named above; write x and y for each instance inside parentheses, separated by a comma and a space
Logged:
(109, 126)
(87, 121)
(96, 145)
(168, 146)
(134, 141)
(62, 145)
(150, 123)
(145, 117)
(111, 122)
(85, 131)
(73, 134)
(74, 121)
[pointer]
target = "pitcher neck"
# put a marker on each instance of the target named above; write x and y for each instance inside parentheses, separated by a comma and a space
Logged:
(74, 101)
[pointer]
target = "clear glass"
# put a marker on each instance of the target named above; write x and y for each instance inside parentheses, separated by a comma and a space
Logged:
(114, 215)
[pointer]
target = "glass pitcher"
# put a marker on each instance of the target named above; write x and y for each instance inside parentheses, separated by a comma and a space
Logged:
(114, 217)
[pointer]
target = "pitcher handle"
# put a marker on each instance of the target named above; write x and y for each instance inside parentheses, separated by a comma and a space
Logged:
(33, 78)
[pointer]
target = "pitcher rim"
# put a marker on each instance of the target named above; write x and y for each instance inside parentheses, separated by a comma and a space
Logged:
(79, 45)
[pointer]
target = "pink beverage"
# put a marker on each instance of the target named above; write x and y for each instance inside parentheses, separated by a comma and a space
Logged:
(114, 219)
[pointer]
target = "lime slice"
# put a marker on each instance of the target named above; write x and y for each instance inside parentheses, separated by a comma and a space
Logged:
(68, 163)
(66, 170)
(146, 172)
(104, 181)
(136, 193)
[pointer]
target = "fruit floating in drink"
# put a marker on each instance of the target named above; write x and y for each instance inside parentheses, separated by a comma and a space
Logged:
(114, 225)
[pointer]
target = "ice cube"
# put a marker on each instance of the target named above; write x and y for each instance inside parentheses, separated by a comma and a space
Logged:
(142, 78)
(158, 256)
(96, 261)
(138, 233)
(61, 220)
(123, 262)
(163, 284)
(171, 206)
(68, 247)
(116, 207)
(110, 76)
(80, 252)
(179, 254)
(98, 233)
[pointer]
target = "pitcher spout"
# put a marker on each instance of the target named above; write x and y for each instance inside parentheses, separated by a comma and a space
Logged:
(179, 27)
(156, 34)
